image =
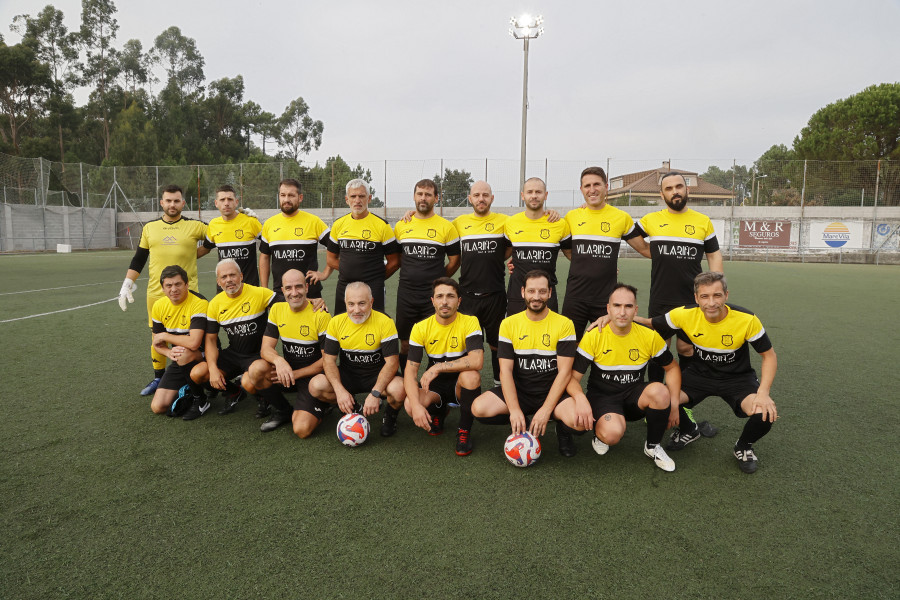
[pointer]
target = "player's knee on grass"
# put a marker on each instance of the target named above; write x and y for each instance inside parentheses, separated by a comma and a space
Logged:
(610, 428)
(304, 423)
(656, 396)
(162, 401)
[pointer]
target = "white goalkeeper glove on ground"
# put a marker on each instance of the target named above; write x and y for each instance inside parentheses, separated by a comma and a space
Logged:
(125, 294)
(249, 213)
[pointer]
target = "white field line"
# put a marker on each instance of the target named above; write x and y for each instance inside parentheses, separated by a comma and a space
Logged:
(59, 311)
(66, 287)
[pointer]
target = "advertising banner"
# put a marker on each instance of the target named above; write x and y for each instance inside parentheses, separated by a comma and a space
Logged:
(773, 234)
(837, 235)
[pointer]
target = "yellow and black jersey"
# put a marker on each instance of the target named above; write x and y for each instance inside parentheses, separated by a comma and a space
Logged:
(678, 242)
(301, 333)
(482, 249)
(534, 346)
(535, 245)
(170, 244)
(179, 319)
(361, 348)
(236, 239)
(362, 245)
(596, 238)
(424, 243)
(243, 318)
(445, 342)
(618, 362)
(720, 349)
(291, 241)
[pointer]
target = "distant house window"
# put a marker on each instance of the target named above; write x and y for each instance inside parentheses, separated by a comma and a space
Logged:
(689, 181)
(615, 183)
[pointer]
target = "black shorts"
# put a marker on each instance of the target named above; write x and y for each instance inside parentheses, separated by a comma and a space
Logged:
(732, 390)
(529, 404)
(624, 403)
(177, 376)
(377, 295)
(233, 364)
(661, 308)
(517, 305)
(412, 307)
(582, 312)
(446, 389)
(356, 384)
(489, 308)
(305, 400)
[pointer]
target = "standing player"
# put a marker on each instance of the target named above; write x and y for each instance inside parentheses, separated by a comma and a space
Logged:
(239, 309)
(366, 342)
(535, 242)
(289, 241)
(455, 349)
(719, 334)
(179, 323)
(424, 241)
(362, 247)
(169, 240)
(597, 232)
(234, 234)
(301, 330)
(617, 356)
(537, 349)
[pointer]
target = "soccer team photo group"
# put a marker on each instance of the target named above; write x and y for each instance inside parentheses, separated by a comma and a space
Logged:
(478, 295)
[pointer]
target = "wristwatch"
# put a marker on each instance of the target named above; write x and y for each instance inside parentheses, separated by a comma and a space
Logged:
(376, 394)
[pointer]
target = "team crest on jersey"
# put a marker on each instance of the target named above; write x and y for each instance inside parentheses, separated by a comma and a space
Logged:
(245, 307)
(298, 231)
(239, 234)
(454, 342)
(689, 229)
(304, 330)
(432, 233)
(370, 339)
(489, 227)
(727, 340)
(545, 234)
(604, 227)
(366, 234)
(634, 354)
(545, 339)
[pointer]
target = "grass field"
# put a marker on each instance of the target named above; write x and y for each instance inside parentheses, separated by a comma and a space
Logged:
(100, 498)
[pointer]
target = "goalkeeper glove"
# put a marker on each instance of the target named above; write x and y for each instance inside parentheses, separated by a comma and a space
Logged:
(125, 294)
(249, 213)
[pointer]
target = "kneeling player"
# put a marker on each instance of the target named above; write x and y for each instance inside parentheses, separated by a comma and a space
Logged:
(366, 341)
(301, 331)
(179, 323)
(618, 356)
(455, 348)
(537, 349)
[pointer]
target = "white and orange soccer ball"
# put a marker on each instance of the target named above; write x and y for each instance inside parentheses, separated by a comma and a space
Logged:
(353, 429)
(522, 449)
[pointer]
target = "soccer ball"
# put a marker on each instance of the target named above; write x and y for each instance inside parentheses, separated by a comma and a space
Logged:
(353, 429)
(522, 449)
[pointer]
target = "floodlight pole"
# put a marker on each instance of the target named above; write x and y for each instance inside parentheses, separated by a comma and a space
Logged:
(524, 123)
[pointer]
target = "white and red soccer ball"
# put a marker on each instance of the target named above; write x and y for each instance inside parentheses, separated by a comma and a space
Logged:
(353, 429)
(522, 449)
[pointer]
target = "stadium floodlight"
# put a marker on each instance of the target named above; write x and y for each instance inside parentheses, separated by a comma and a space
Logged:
(526, 28)
(758, 182)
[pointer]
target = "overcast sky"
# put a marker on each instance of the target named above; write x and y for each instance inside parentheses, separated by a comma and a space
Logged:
(636, 81)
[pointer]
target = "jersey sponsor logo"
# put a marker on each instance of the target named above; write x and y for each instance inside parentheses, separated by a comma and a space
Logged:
(289, 253)
(480, 246)
(727, 340)
(241, 329)
(234, 252)
(364, 358)
(594, 250)
(366, 233)
(714, 357)
(678, 250)
(634, 354)
(539, 365)
(689, 229)
(454, 342)
(363, 245)
(604, 227)
(545, 234)
(239, 234)
(245, 307)
(622, 377)
(299, 350)
(489, 227)
(432, 233)
(298, 231)
(419, 250)
(170, 240)
(544, 256)
(545, 339)
(304, 330)
(370, 339)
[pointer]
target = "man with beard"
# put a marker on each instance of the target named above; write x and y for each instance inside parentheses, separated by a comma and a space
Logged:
(362, 247)
(240, 309)
(455, 349)
(170, 240)
(537, 349)
(301, 330)
(234, 233)
(289, 241)
(535, 242)
(365, 340)
(424, 242)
